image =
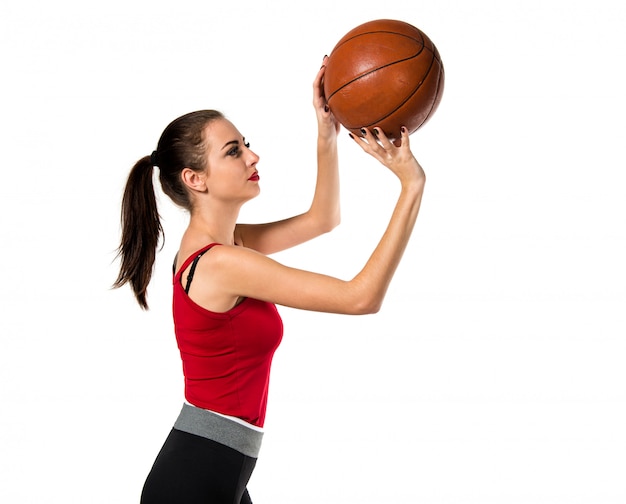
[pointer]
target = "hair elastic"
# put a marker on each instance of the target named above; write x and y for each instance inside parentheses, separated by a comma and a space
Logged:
(153, 158)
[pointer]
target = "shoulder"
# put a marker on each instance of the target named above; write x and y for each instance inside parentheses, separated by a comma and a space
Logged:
(216, 279)
(187, 254)
(223, 258)
(232, 256)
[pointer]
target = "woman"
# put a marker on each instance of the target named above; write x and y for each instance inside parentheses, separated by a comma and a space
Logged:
(226, 288)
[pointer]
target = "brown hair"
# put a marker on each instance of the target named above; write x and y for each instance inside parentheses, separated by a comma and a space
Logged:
(182, 145)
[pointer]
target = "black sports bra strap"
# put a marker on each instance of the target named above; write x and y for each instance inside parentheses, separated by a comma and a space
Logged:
(192, 270)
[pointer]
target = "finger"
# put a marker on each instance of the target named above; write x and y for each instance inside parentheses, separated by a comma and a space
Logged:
(382, 138)
(368, 143)
(320, 74)
(361, 141)
(404, 137)
(319, 99)
(369, 137)
(317, 83)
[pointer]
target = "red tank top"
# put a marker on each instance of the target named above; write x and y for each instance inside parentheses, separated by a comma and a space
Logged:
(226, 356)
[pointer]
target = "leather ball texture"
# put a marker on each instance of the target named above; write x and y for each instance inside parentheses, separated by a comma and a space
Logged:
(385, 73)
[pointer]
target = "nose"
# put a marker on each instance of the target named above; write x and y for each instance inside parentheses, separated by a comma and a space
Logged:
(253, 158)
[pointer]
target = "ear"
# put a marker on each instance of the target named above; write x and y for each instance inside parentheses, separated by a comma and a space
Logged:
(194, 180)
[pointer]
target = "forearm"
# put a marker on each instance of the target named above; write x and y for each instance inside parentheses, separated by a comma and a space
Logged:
(372, 282)
(325, 209)
(245, 273)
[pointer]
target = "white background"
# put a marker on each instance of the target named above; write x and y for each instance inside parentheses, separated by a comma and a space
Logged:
(495, 372)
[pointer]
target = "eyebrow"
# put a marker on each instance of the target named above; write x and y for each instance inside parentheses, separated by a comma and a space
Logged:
(232, 142)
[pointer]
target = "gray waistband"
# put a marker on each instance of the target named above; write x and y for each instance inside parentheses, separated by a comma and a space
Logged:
(212, 426)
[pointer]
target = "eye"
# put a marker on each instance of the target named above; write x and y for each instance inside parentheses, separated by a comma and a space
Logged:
(236, 151)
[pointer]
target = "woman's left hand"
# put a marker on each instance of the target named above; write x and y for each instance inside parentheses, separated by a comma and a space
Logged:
(328, 125)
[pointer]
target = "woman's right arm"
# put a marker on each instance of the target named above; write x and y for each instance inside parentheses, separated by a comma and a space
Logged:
(238, 271)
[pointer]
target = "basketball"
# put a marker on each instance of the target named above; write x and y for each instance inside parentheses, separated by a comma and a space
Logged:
(384, 73)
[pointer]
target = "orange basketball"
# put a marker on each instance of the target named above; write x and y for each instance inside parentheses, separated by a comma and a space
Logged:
(384, 73)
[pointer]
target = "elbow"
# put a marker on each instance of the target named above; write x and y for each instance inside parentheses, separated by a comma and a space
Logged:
(332, 219)
(367, 306)
(328, 224)
(332, 224)
(324, 218)
(362, 298)
(335, 219)
(373, 308)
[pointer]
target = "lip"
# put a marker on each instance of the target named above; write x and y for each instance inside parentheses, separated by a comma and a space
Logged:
(255, 177)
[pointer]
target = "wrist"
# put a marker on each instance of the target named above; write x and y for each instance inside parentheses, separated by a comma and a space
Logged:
(413, 186)
(326, 139)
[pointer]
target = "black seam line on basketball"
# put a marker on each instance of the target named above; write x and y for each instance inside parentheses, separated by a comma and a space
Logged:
(434, 101)
(432, 49)
(420, 40)
(403, 102)
(376, 70)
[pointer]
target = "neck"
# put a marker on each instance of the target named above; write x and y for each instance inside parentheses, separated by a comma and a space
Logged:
(217, 225)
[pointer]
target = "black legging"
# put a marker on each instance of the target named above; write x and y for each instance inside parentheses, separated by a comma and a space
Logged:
(191, 470)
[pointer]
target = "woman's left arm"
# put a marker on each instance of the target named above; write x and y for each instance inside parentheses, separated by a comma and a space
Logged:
(324, 213)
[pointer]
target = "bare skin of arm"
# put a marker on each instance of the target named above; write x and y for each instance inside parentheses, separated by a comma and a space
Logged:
(324, 212)
(228, 273)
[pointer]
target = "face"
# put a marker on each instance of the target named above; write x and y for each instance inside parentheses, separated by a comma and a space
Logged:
(231, 165)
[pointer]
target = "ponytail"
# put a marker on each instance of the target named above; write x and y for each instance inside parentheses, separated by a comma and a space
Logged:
(182, 145)
(141, 231)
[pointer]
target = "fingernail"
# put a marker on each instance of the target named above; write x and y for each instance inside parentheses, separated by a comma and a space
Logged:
(363, 131)
(403, 129)
(351, 135)
(376, 131)
(326, 109)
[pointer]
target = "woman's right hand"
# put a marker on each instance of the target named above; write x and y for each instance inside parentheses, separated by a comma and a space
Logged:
(397, 155)
(328, 126)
